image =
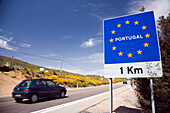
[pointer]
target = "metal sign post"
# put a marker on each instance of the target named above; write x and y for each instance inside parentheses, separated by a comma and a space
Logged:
(152, 99)
(133, 85)
(111, 95)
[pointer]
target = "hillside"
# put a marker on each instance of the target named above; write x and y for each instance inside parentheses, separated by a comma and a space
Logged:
(12, 76)
(13, 61)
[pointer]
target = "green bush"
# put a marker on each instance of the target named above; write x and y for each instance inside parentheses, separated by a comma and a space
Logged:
(160, 85)
(6, 68)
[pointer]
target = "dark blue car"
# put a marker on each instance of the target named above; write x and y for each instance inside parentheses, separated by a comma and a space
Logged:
(34, 89)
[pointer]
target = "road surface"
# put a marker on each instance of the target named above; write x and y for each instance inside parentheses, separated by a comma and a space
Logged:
(8, 105)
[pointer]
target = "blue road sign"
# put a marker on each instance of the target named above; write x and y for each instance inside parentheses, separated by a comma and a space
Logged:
(131, 39)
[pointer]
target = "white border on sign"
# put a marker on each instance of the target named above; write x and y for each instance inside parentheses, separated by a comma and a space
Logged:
(133, 70)
(160, 73)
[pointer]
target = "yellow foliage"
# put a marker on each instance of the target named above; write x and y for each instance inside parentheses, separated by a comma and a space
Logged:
(37, 71)
(28, 69)
(72, 80)
(26, 75)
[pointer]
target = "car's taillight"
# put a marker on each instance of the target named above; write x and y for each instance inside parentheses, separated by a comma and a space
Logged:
(26, 90)
(13, 90)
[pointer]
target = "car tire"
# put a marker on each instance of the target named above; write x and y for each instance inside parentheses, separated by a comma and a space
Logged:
(33, 98)
(18, 99)
(62, 94)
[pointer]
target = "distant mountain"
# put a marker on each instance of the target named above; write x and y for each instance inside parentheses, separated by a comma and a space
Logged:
(15, 62)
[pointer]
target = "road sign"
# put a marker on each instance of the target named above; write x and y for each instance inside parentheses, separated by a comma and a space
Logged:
(131, 47)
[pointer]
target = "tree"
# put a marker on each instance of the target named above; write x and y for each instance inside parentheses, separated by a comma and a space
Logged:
(142, 9)
(54, 73)
(161, 85)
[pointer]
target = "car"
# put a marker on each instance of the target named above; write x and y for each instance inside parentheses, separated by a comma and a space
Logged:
(124, 82)
(35, 89)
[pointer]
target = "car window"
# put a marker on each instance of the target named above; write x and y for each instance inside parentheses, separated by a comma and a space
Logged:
(25, 83)
(51, 84)
(40, 83)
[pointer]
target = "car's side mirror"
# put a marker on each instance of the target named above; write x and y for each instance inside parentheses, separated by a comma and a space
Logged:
(57, 85)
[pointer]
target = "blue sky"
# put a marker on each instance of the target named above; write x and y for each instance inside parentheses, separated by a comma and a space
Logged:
(71, 30)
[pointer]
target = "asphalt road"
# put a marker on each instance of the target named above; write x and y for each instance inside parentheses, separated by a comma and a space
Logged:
(8, 105)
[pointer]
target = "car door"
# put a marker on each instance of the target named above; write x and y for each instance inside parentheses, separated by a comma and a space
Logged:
(53, 88)
(41, 88)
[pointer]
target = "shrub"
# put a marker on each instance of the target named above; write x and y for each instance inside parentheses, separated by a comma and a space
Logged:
(6, 68)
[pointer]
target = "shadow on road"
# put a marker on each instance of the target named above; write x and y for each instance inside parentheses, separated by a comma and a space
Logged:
(41, 100)
(123, 109)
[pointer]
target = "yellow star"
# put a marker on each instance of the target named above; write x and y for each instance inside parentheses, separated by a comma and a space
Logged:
(136, 23)
(147, 35)
(119, 25)
(129, 55)
(146, 44)
(127, 22)
(139, 52)
(121, 53)
(144, 27)
(111, 40)
(114, 48)
(113, 32)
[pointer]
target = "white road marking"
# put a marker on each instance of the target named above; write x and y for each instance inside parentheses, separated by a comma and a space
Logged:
(67, 104)
(86, 87)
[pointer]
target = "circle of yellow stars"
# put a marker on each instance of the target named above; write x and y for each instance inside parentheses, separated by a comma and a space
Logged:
(139, 51)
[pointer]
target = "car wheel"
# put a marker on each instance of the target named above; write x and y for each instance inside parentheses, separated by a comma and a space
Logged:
(34, 98)
(18, 99)
(62, 94)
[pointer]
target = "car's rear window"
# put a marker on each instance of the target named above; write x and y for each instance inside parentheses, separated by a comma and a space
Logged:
(25, 83)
